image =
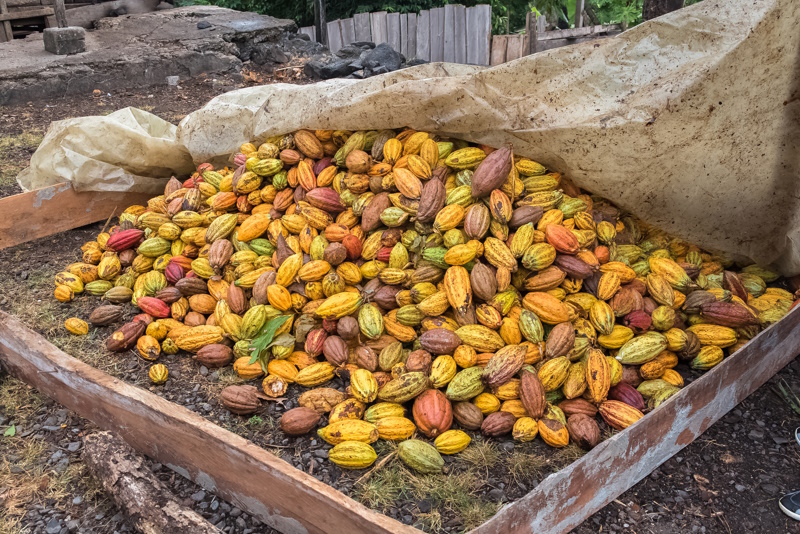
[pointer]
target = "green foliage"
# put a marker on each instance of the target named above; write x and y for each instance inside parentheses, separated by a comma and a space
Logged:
(264, 340)
(618, 11)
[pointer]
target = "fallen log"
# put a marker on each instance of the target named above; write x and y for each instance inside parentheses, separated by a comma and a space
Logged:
(151, 507)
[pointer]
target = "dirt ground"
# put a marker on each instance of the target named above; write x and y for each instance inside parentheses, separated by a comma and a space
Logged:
(727, 481)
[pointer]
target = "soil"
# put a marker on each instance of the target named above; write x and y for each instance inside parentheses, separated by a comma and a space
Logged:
(726, 481)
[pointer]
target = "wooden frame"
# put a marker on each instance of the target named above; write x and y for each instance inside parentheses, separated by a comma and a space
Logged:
(292, 501)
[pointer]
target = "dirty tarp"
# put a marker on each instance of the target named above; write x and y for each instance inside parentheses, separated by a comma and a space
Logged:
(689, 121)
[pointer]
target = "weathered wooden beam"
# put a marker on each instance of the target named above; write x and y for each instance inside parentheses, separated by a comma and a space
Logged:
(578, 32)
(27, 14)
(55, 209)
(234, 468)
(564, 499)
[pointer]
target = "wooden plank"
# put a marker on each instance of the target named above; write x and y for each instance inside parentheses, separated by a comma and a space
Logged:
(310, 31)
(377, 22)
(7, 34)
(627, 457)
(460, 33)
(348, 31)
(404, 34)
(530, 34)
(22, 3)
(393, 30)
(449, 46)
(479, 35)
(514, 47)
(424, 35)
(499, 43)
(579, 13)
(220, 461)
(579, 32)
(29, 216)
(27, 14)
(361, 21)
(437, 34)
(412, 36)
(334, 36)
(61, 13)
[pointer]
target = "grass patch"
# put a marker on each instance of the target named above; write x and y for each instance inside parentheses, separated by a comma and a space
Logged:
(384, 486)
(525, 467)
(18, 401)
(480, 455)
(477, 513)
(11, 161)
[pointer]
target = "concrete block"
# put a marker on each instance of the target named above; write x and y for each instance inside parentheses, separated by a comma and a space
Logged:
(64, 41)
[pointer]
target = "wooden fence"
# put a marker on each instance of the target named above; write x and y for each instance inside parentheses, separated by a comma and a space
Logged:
(453, 33)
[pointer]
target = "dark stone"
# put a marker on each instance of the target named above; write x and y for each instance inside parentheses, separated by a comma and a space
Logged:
(203, 25)
(383, 56)
(349, 51)
(325, 70)
(381, 69)
(416, 61)
(303, 36)
(64, 41)
(363, 44)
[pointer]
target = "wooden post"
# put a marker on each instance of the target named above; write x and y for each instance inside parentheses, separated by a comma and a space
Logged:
(7, 34)
(579, 13)
(60, 13)
(320, 22)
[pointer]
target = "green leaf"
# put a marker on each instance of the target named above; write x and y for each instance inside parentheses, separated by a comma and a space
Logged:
(264, 338)
(10, 432)
(284, 340)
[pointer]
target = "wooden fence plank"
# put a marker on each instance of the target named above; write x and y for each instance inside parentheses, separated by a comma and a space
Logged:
(437, 34)
(377, 22)
(238, 470)
(310, 31)
(579, 13)
(363, 31)
(579, 32)
(404, 34)
(412, 36)
(334, 36)
(479, 35)
(348, 31)
(39, 213)
(514, 47)
(424, 35)
(449, 46)
(460, 33)
(499, 43)
(621, 461)
(393, 30)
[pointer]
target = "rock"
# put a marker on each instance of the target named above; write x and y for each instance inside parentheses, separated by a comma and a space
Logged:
(64, 41)
(203, 25)
(73, 525)
(350, 51)
(769, 489)
(77, 500)
(321, 453)
(322, 69)
(383, 56)
(416, 61)
(199, 496)
(53, 526)
(74, 446)
(496, 495)
(740, 488)
(756, 435)
(203, 370)
(363, 44)
(235, 512)
(780, 440)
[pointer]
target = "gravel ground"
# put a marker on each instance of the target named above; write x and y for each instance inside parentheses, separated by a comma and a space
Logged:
(727, 481)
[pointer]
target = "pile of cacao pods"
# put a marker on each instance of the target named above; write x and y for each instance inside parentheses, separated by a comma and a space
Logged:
(454, 280)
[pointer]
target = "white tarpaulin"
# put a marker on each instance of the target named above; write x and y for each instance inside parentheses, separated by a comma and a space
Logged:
(690, 121)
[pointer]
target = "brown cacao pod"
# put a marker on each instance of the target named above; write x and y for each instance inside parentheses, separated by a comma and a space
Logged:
(214, 355)
(105, 315)
(468, 415)
(532, 394)
(126, 336)
(299, 421)
(583, 430)
(498, 424)
(240, 400)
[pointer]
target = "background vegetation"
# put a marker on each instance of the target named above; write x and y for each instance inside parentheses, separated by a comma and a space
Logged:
(508, 16)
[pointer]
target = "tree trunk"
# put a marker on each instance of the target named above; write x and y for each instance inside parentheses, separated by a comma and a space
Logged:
(656, 8)
(320, 22)
(151, 507)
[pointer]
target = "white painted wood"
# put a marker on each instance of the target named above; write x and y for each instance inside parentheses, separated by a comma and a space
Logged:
(449, 46)
(334, 36)
(393, 30)
(404, 34)
(362, 26)
(310, 31)
(377, 22)
(479, 35)
(437, 34)
(499, 43)
(412, 36)
(348, 31)
(460, 33)
(424, 35)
